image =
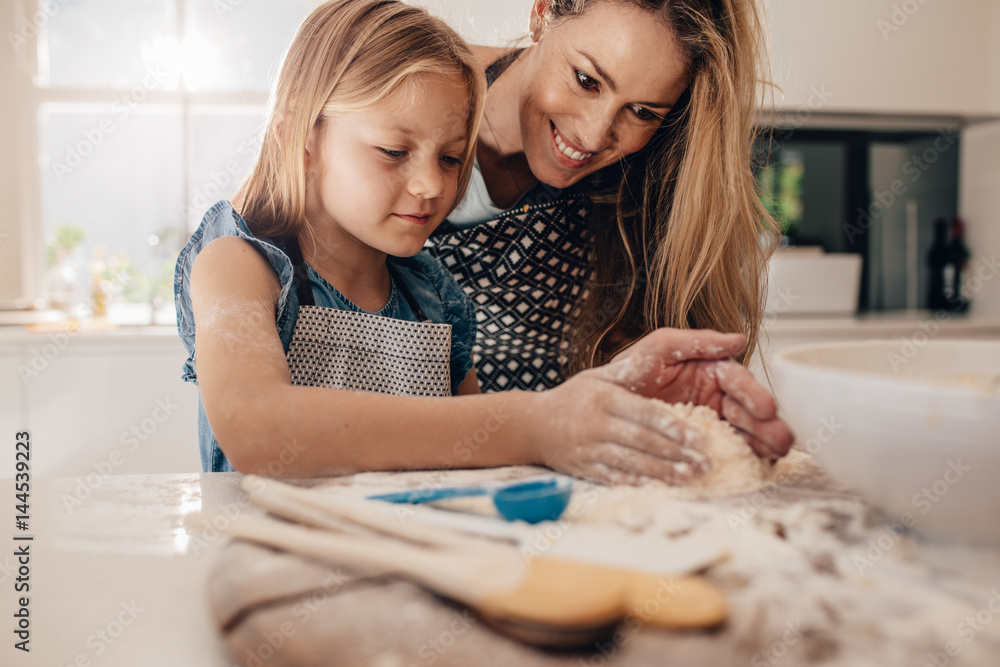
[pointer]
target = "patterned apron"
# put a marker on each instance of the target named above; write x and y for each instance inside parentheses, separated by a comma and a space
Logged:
(525, 271)
(365, 352)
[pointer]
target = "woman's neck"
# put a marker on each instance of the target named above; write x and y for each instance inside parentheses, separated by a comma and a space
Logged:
(499, 148)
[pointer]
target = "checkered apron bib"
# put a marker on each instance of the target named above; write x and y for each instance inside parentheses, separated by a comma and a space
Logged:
(365, 352)
(525, 271)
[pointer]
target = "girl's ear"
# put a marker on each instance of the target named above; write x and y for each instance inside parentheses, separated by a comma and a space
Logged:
(311, 147)
(538, 20)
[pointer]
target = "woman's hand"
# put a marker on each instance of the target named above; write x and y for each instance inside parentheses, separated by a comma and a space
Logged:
(680, 366)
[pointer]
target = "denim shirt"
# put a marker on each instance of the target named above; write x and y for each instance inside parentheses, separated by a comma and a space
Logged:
(433, 288)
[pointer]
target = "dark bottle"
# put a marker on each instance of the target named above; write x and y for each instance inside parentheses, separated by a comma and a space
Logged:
(937, 262)
(958, 259)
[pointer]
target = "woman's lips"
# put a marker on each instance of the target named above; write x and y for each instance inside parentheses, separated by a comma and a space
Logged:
(566, 154)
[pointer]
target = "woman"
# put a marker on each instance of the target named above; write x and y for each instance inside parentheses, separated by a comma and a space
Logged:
(614, 193)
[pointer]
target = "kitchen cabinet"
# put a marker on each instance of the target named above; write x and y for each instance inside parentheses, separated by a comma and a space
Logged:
(99, 403)
(912, 57)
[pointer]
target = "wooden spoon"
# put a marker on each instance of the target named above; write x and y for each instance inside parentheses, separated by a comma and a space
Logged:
(541, 583)
(554, 602)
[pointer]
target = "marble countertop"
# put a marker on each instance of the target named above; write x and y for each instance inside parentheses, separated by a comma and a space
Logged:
(115, 580)
(118, 574)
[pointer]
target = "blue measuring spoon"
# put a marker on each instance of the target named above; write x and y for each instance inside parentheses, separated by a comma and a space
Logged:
(532, 502)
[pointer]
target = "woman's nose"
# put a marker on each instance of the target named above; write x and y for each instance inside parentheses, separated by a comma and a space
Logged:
(426, 181)
(597, 131)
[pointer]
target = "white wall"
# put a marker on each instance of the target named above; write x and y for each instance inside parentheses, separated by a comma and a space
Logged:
(979, 205)
(490, 22)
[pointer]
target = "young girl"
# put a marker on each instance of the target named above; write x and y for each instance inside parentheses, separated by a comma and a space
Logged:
(367, 152)
(324, 341)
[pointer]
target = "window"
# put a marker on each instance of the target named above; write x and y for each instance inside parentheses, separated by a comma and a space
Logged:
(143, 113)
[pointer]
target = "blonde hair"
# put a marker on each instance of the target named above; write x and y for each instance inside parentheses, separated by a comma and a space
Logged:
(681, 238)
(348, 55)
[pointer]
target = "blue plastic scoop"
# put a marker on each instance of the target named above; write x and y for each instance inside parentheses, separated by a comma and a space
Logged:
(532, 502)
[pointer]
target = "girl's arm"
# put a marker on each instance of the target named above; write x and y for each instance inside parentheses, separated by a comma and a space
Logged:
(594, 425)
(259, 417)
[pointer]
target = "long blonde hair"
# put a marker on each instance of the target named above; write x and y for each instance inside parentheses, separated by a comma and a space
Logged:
(348, 55)
(681, 238)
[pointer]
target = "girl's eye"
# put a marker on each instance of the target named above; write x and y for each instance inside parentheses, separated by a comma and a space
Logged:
(644, 114)
(451, 161)
(586, 81)
(395, 155)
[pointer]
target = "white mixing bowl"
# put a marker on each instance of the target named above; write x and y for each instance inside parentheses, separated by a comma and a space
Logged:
(913, 425)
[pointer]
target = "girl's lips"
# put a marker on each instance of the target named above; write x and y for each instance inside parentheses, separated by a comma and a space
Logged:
(560, 147)
(415, 219)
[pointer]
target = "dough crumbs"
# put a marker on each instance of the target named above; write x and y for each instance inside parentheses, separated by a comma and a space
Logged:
(735, 467)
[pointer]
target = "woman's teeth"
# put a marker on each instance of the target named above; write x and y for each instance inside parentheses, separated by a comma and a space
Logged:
(569, 152)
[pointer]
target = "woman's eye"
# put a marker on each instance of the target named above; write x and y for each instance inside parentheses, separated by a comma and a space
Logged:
(395, 155)
(642, 113)
(585, 80)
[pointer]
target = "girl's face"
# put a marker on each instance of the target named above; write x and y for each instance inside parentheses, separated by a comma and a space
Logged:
(595, 88)
(385, 178)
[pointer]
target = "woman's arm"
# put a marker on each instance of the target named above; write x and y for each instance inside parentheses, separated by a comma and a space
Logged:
(591, 425)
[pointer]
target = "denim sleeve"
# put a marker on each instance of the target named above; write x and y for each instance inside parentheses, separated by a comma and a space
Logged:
(458, 311)
(222, 220)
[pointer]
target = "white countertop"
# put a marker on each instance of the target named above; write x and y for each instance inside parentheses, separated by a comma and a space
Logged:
(119, 579)
(114, 580)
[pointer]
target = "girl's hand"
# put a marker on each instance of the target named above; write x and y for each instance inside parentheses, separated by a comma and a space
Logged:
(680, 366)
(592, 426)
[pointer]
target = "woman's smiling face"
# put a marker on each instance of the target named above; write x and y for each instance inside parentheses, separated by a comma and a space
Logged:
(595, 88)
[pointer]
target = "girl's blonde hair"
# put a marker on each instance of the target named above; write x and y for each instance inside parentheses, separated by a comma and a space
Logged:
(348, 55)
(682, 239)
